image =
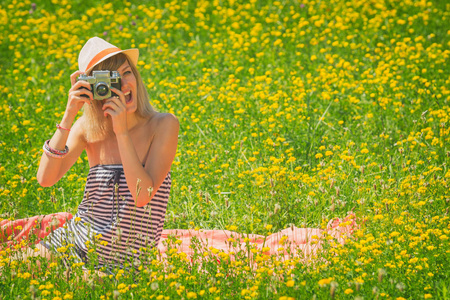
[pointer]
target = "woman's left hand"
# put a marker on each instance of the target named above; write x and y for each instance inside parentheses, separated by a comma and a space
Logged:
(115, 107)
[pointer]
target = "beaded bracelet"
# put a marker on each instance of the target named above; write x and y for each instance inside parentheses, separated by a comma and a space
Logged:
(54, 152)
(60, 127)
(48, 153)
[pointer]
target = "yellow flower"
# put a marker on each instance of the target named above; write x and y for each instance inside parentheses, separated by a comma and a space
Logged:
(232, 228)
(62, 249)
(348, 291)
(68, 296)
(324, 281)
(290, 283)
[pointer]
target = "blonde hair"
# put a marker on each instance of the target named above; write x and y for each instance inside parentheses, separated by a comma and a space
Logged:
(97, 127)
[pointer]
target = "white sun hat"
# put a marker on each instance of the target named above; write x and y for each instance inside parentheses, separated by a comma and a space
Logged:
(97, 50)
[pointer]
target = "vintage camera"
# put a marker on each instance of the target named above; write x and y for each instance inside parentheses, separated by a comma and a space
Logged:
(101, 83)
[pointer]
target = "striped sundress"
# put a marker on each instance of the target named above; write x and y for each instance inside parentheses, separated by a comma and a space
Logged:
(109, 222)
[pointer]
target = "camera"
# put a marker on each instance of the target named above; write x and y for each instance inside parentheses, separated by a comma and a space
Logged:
(101, 83)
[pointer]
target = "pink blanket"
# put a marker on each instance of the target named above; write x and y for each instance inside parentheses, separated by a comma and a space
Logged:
(302, 242)
(297, 241)
(18, 232)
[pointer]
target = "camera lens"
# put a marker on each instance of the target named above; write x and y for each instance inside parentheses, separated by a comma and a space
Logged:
(102, 89)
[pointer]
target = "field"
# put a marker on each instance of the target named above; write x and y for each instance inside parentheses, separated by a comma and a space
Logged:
(291, 113)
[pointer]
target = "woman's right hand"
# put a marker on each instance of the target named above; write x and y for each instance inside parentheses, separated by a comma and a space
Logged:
(76, 92)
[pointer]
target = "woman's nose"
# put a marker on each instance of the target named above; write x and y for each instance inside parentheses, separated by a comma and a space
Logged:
(123, 83)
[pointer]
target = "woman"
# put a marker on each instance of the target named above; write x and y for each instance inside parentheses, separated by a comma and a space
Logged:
(130, 149)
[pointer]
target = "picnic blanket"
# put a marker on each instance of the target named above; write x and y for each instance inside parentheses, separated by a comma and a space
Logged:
(306, 241)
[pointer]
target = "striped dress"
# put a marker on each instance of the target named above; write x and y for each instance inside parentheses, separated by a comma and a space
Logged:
(109, 223)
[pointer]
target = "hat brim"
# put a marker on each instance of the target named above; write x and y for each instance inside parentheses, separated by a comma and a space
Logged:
(132, 54)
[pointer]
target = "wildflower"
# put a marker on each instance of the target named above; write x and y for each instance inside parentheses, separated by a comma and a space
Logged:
(62, 249)
(324, 281)
(348, 291)
(68, 296)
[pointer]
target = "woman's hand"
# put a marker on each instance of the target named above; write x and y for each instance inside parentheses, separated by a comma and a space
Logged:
(115, 107)
(76, 92)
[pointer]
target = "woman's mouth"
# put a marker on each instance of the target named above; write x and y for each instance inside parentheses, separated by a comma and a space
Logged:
(128, 97)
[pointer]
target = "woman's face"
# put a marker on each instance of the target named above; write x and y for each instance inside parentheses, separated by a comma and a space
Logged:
(129, 86)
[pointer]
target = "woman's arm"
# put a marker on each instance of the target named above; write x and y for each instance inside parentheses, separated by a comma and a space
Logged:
(161, 155)
(51, 169)
(160, 158)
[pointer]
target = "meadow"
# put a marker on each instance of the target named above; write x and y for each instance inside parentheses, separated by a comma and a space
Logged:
(291, 113)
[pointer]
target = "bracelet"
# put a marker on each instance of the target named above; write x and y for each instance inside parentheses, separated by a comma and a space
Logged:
(60, 127)
(54, 152)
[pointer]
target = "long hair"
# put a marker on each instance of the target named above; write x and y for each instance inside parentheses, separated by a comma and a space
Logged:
(97, 127)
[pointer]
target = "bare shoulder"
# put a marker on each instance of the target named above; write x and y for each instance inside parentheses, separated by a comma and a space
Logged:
(168, 118)
(167, 123)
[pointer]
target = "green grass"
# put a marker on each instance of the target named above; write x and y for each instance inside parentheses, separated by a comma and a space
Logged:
(291, 113)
